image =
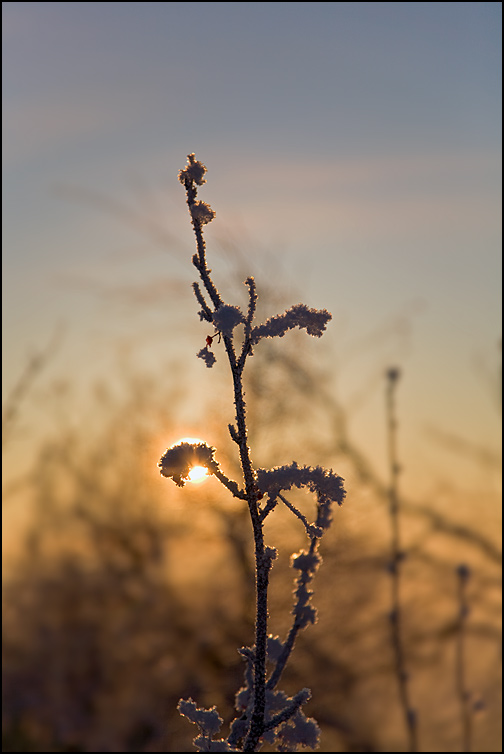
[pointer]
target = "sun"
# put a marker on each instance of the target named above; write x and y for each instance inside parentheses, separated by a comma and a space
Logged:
(188, 460)
(197, 474)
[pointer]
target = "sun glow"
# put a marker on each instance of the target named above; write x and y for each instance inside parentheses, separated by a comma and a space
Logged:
(198, 474)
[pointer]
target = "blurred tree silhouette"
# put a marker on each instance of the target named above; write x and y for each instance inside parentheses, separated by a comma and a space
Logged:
(109, 612)
(108, 617)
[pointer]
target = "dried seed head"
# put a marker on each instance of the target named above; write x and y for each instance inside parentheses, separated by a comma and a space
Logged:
(194, 172)
(178, 460)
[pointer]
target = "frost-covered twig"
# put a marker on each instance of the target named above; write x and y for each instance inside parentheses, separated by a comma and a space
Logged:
(311, 529)
(307, 564)
(265, 713)
(313, 320)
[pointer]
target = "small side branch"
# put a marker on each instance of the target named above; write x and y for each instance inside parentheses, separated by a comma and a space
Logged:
(297, 701)
(234, 434)
(270, 505)
(311, 529)
(247, 342)
(307, 563)
(206, 312)
(230, 484)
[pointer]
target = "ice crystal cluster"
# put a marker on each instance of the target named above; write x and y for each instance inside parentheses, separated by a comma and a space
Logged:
(265, 714)
(178, 460)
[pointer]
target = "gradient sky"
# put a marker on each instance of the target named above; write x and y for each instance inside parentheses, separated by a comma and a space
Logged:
(358, 142)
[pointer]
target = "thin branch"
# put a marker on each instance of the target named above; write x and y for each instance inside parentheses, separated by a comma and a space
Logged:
(230, 484)
(463, 574)
(205, 309)
(297, 701)
(311, 529)
(397, 557)
(247, 342)
(25, 381)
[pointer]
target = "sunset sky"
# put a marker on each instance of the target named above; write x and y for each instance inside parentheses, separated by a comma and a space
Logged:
(355, 148)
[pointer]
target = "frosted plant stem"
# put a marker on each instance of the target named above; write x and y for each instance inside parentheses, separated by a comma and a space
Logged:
(199, 260)
(281, 718)
(262, 568)
(261, 562)
(396, 558)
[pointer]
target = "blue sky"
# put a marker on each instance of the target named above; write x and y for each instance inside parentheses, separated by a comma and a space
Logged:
(360, 143)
